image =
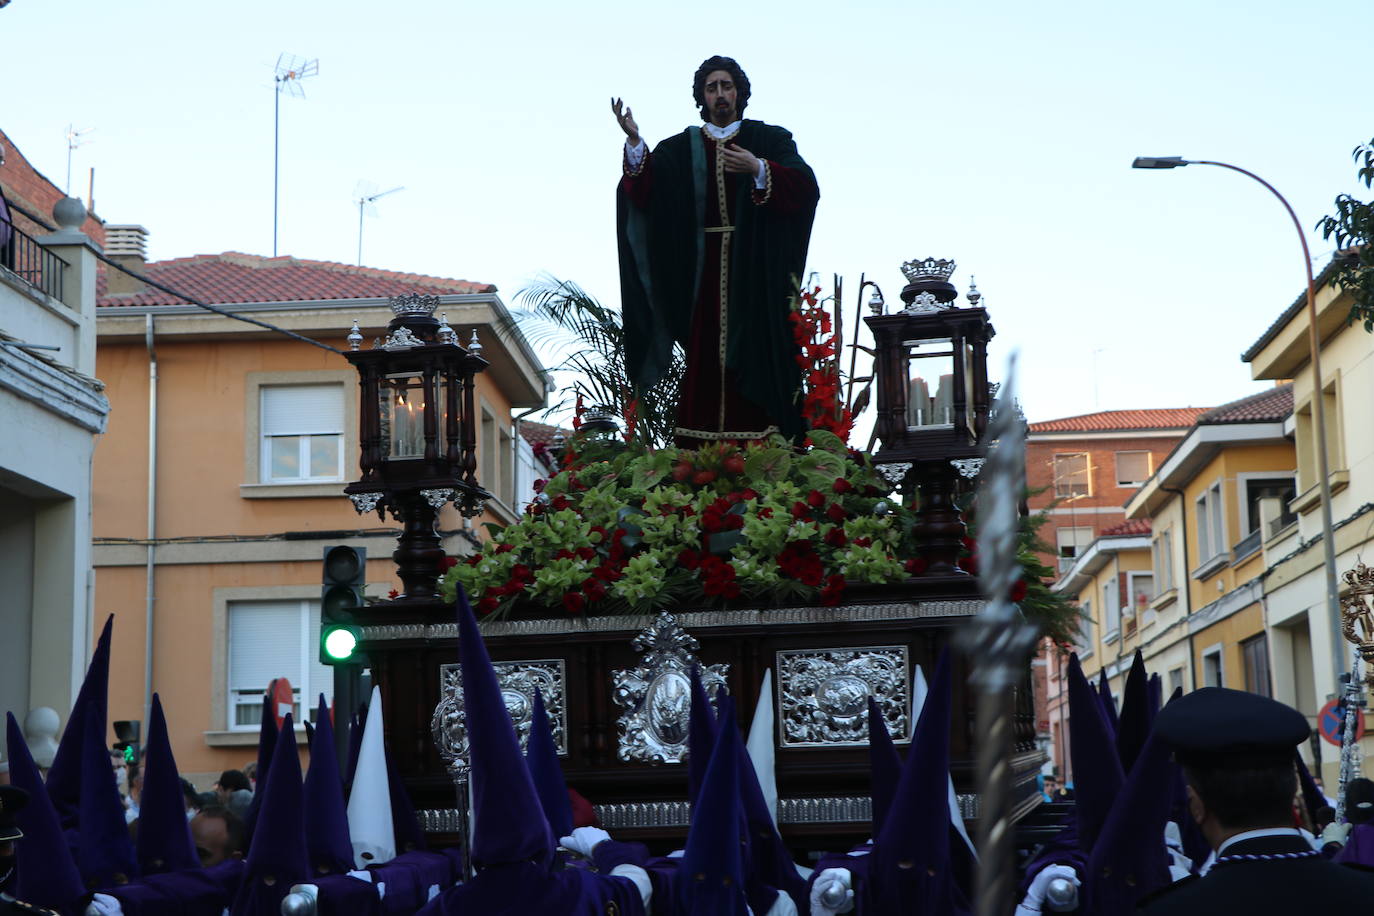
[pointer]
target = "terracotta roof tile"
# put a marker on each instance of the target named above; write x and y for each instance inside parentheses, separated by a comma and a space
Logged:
(236, 277)
(1268, 406)
(534, 433)
(1153, 418)
(1128, 527)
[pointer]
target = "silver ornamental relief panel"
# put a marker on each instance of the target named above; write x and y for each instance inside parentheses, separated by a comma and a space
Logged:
(657, 696)
(517, 681)
(823, 694)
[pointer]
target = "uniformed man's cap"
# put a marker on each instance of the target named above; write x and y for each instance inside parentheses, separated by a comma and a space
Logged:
(1219, 727)
(12, 801)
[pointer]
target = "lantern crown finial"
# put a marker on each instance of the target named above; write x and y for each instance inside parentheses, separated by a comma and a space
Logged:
(413, 304)
(928, 269)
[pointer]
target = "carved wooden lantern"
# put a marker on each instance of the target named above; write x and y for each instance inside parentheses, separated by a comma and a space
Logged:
(933, 400)
(417, 436)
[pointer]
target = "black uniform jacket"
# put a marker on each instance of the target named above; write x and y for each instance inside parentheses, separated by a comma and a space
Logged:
(1260, 887)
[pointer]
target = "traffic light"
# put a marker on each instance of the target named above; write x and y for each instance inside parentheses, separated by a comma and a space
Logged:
(127, 733)
(345, 574)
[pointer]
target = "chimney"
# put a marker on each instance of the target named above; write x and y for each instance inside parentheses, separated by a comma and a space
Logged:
(127, 247)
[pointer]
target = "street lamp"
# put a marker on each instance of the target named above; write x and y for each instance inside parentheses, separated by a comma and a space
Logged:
(1318, 408)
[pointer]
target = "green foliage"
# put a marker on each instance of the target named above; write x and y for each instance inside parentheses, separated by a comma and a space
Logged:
(560, 315)
(1352, 228)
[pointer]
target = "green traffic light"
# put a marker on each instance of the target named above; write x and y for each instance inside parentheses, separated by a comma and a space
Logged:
(339, 644)
(128, 753)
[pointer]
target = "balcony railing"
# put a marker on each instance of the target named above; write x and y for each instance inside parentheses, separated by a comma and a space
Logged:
(30, 261)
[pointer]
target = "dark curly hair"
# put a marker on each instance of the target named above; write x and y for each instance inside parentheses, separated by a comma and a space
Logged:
(729, 66)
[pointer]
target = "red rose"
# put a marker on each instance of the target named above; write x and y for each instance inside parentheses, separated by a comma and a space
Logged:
(1018, 592)
(836, 537)
(689, 559)
(594, 589)
(815, 499)
(586, 553)
(916, 566)
(504, 548)
(734, 464)
(564, 554)
(833, 591)
(766, 512)
(841, 485)
(393, 594)
(559, 503)
(573, 602)
(800, 510)
(682, 470)
(749, 493)
(486, 606)
(702, 478)
(835, 512)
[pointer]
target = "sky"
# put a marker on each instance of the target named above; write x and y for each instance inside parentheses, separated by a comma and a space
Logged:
(998, 133)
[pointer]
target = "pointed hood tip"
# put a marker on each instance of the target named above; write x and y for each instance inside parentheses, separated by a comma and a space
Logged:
(713, 851)
(327, 840)
(46, 874)
(509, 822)
(371, 826)
(541, 756)
(918, 825)
(164, 836)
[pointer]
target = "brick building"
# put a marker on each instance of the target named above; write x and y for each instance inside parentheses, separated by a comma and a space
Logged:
(1086, 467)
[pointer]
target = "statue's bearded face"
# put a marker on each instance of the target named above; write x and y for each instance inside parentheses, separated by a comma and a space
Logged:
(721, 102)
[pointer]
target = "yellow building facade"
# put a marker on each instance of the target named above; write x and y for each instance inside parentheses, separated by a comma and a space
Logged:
(218, 488)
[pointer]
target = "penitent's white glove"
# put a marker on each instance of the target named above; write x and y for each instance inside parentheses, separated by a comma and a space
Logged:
(1336, 833)
(1035, 894)
(1180, 866)
(584, 840)
(832, 892)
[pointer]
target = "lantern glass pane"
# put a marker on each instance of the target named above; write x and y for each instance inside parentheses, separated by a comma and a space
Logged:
(930, 383)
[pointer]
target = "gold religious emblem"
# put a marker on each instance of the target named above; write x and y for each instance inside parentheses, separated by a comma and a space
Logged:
(1357, 615)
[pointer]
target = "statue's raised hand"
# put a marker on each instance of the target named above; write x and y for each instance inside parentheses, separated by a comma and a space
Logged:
(626, 119)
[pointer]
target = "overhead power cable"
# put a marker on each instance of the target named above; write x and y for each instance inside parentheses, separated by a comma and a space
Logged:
(214, 308)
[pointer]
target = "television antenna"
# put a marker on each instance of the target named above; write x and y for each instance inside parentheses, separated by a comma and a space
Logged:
(365, 195)
(73, 141)
(289, 73)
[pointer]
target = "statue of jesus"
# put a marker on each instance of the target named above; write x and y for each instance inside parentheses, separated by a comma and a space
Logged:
(713, 227)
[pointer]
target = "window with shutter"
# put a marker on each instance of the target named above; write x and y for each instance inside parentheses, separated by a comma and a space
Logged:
(272, 639)
(302, 433)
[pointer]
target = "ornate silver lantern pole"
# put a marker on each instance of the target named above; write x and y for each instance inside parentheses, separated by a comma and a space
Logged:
(1357, 626)
(999, 640)
(449, 728)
